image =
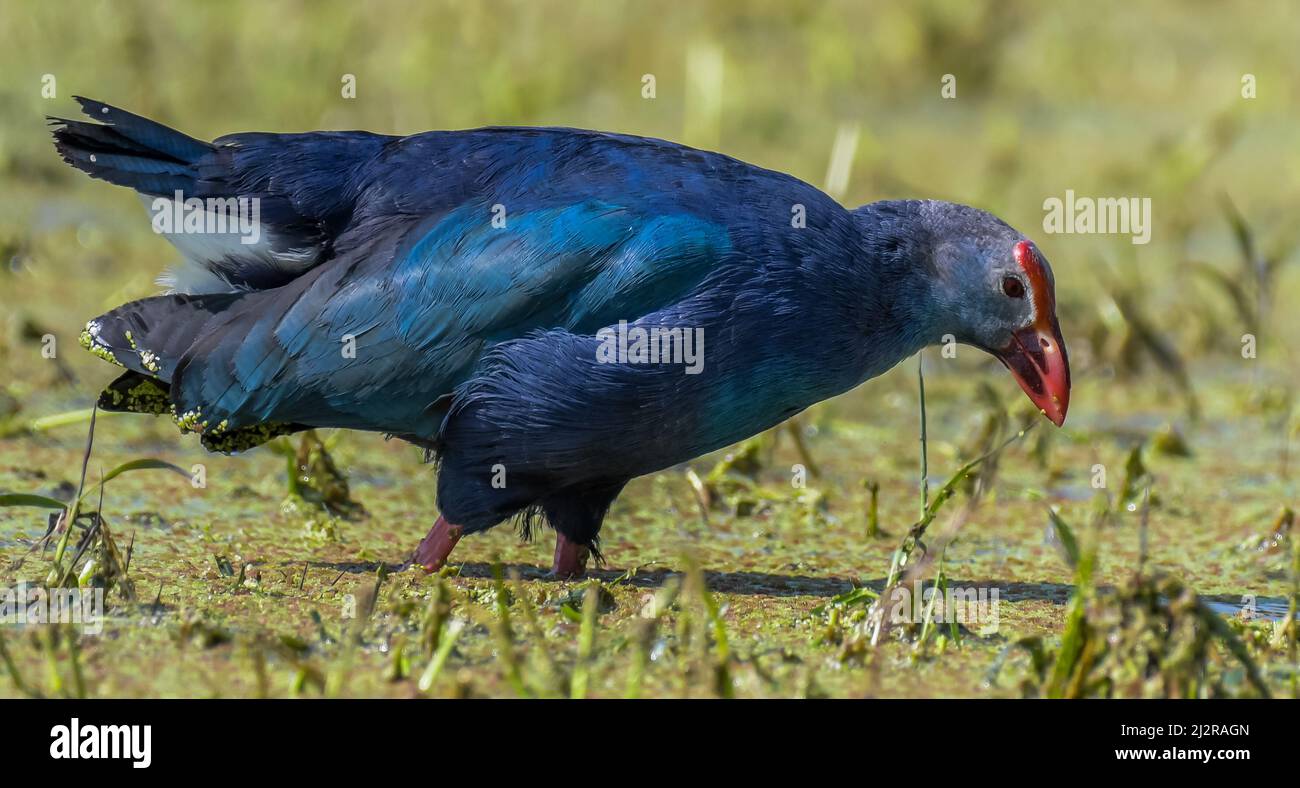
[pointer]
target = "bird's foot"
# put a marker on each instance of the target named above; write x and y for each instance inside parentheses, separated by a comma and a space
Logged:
(570, 558)
(437, 545)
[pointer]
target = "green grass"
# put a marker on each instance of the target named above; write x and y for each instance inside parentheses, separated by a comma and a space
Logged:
(724, 579)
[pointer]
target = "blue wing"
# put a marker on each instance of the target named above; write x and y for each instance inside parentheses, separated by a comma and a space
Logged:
(377, 346)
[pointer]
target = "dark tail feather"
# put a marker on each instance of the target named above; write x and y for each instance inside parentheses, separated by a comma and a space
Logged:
(151, 335)
(133, 392)
(136, 393)
(147, 133)
(129, 150)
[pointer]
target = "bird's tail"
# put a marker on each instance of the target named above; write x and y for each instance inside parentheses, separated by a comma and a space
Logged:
(151, 338)
(129, 150)
(265, 207)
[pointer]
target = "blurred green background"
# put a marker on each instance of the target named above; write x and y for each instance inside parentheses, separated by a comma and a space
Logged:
(1107, 99)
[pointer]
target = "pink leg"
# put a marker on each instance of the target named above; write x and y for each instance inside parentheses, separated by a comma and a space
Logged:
(437, 545)
(570, 557)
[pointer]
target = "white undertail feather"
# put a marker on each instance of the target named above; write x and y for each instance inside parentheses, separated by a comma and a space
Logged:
(203, 251)
(190, 277)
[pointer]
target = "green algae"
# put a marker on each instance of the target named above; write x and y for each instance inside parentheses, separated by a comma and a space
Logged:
(136, 394)
(231, 441)
(90, 343)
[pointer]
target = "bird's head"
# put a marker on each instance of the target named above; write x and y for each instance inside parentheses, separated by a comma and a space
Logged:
(997, 293)
(984, 284)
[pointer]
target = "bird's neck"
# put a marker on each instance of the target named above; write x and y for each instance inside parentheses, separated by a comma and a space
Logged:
(874, 307)
(903, 315)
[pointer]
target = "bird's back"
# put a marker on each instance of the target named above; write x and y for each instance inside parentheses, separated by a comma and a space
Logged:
(389, 266)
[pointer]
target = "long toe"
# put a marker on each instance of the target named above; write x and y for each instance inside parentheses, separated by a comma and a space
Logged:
(570, 558)
(434, 548)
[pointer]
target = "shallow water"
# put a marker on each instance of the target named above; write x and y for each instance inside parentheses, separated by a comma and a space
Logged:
(767, 572)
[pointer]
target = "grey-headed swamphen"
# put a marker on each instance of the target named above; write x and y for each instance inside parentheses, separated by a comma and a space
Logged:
(551, 312)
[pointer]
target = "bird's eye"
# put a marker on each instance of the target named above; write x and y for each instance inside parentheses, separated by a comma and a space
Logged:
(1013, 287)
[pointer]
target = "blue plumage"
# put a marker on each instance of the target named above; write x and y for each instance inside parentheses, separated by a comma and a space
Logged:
(451, 288)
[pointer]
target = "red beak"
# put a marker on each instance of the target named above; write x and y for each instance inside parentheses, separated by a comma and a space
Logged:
(1037, 360)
